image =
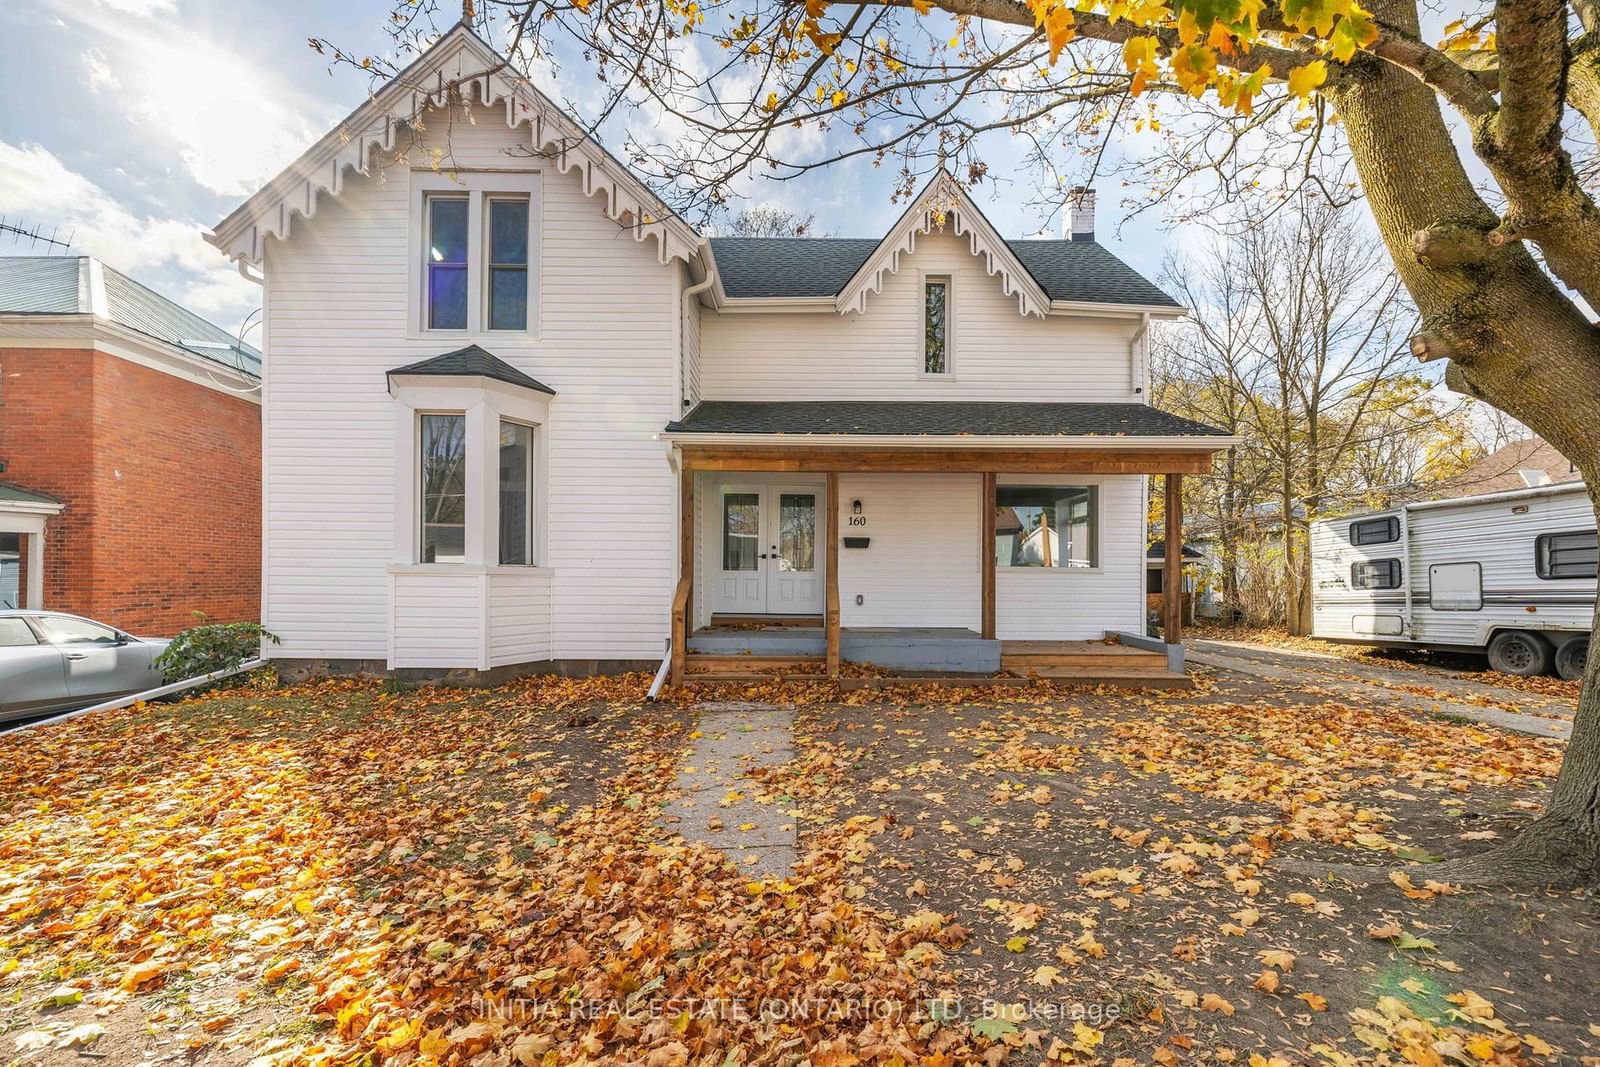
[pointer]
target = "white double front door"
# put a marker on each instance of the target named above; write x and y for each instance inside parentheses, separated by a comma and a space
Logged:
(764, 552)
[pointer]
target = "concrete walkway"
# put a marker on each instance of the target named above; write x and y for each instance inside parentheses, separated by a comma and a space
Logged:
(722, 807)
(1365, 683)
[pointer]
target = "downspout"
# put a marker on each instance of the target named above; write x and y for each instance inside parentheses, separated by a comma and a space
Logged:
(690, 296)
(1136, 350)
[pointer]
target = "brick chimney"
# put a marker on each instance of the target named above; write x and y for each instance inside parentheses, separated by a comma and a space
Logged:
(1080, 217)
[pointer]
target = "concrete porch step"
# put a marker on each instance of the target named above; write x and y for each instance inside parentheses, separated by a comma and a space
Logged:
(773, 641)
(1034, 661)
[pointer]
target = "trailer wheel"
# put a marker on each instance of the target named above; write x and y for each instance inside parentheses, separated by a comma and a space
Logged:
(1572, 657)
(1519, 652)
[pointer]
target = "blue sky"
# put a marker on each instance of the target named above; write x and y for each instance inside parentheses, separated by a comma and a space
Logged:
(137, 124)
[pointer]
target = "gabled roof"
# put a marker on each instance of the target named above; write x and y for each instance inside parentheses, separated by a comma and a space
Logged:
(463, 61)
(475, 362)
(943, 203)
(940, 418)
(82, 285)
(775, 267)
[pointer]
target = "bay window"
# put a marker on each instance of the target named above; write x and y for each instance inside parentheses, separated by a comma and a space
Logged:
(469, 465)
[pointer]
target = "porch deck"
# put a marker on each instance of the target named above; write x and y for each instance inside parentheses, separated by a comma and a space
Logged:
(932, 655)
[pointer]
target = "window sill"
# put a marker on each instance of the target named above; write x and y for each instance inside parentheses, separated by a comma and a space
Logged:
(449, 569)
(486, 338)
(1049, 570)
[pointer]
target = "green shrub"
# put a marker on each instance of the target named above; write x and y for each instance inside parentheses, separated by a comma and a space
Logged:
(212, 646)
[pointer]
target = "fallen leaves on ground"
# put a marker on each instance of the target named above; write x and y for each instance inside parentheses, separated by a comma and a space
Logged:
(438, 876)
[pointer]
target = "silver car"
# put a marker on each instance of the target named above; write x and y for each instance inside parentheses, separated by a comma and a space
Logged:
(55, 662)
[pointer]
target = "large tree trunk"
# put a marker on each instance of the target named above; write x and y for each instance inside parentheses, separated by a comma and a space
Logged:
(1514, 340)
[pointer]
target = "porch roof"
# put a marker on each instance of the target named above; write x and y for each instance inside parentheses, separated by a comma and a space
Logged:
(942, 419)
(16, 498)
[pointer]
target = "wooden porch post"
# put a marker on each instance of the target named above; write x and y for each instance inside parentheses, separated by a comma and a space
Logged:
(986, 553)
(830, 619)
(1172, 576)
(681, 596)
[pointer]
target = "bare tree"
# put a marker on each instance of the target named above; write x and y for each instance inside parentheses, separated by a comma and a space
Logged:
(1297, 345)
(768, 221)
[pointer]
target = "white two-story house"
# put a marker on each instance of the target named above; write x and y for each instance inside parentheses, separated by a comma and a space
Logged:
(517, 417)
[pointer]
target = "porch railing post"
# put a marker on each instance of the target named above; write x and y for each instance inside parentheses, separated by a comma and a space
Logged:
(1172, 573)
(986, 553)
(681, 598)
(830, 619)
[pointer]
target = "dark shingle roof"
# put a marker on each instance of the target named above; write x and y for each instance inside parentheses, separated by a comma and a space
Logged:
(820, 266)
(473, 360)
(935, 417)
(57, 285)
(1158, 550)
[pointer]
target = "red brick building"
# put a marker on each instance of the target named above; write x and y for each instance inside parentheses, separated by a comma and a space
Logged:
(130, 433)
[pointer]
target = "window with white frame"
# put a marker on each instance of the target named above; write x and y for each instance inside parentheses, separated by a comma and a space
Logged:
(446, 266)
(442, 455)
(516, 493)
(471, 479)
(476, 261)
(1046, 526)
(936, 325)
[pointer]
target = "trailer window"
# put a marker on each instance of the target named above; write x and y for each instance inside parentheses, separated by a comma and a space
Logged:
(1375, 531)
(1375, 574)
(1566, 555)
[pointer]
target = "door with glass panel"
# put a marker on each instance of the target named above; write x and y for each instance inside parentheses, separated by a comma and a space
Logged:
(766, 553)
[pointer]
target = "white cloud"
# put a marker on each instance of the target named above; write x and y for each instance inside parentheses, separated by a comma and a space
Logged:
(37, 187)
(139, 7)
(100, 76)
(234, 124)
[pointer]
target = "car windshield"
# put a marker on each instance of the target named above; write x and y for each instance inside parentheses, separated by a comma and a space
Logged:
(61, 630)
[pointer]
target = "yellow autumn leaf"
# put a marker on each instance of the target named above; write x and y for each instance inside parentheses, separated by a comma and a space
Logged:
(1303, 81)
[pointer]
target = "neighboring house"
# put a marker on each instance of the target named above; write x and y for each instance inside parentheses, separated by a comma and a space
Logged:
(1193, 559)
(1525, 464)
(130, 438)
(518, 416)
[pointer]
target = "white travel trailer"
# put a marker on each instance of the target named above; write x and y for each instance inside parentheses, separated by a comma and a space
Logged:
(1511, 574)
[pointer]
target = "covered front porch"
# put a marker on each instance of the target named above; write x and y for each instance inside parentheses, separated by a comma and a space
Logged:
(991, 561)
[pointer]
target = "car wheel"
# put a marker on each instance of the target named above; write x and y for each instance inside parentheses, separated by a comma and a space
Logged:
(1572, 657)
(1519, 652)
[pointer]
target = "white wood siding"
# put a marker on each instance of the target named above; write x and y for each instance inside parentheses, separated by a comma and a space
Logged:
(338, 293)
(438, 620)
(691, 347)
(922, 567)
(998, 354)
(1034, 604)
(519, 617)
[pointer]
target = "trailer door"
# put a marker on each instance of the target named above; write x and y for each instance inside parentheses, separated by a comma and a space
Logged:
(1455, 586)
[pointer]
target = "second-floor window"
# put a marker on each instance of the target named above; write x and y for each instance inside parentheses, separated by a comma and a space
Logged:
(447, 262)
(936, 325)
(477, 262)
